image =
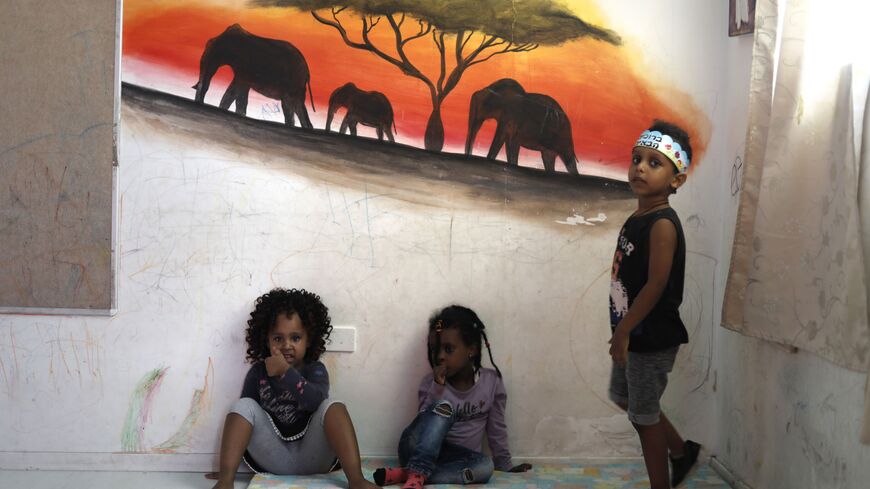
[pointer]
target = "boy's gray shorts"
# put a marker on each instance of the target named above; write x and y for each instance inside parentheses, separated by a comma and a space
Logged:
(310, 454)
(640, 384)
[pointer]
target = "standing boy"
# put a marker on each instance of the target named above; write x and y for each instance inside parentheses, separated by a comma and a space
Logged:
(645, 294)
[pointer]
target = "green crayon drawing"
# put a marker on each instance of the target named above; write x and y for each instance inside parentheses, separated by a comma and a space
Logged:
(140, 410)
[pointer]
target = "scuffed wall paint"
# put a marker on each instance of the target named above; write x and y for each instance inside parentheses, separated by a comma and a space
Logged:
(789, 420)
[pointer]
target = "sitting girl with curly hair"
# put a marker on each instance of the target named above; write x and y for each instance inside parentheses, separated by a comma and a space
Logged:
(285, 422)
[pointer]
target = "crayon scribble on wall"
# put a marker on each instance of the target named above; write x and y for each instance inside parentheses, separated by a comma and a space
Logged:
(141, 403)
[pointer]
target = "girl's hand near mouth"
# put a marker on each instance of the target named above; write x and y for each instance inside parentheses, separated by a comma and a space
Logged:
(276, 365)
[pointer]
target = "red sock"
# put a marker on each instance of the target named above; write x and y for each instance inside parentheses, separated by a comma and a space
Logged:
(415, 480)
(388, 476)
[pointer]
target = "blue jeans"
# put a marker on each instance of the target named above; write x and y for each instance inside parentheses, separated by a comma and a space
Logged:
(422, 449)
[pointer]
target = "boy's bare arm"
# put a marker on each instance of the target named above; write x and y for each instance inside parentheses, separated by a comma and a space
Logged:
(663, 242)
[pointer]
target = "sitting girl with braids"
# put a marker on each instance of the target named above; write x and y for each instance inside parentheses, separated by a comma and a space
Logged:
(458, 402)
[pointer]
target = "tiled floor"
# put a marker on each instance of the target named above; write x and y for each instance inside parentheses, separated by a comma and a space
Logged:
(544, 476)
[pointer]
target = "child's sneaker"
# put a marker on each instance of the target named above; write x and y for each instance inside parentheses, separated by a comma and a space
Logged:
(388, 476)
(680, 467)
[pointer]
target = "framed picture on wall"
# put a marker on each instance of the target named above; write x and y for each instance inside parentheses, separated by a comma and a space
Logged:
(741, 18)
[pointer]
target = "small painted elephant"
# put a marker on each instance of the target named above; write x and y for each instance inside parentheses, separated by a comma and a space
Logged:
(271, 67)
(531, 120)
(371, 109)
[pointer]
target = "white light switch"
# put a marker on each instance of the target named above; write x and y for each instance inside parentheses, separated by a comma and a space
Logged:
(343, 338)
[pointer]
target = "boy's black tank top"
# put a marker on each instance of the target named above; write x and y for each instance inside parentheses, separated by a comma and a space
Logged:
(662, 328)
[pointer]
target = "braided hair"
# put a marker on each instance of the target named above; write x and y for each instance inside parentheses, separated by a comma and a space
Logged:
(471, 329)
(311, 310)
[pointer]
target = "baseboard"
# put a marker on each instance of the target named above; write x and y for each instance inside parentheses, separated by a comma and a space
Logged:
(727, 475)
(189, 462)
(121, 462)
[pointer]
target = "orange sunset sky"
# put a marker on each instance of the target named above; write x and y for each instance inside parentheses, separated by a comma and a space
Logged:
(596, 83)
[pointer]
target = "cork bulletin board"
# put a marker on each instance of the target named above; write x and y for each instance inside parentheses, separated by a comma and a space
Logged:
(58, 128)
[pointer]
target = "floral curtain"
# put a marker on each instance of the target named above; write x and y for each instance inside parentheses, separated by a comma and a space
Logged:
(797, 272)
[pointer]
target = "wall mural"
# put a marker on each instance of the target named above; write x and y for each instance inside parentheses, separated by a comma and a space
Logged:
(537, 83)
(473, 147)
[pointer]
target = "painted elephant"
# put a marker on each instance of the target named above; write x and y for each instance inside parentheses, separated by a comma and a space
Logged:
(489, 103)
(371, 109)
(530, 120)
(271, 67)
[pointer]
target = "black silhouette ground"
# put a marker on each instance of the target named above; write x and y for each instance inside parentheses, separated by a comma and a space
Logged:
(399, 171)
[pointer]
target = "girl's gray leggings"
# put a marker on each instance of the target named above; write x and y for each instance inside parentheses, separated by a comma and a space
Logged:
(309, 455)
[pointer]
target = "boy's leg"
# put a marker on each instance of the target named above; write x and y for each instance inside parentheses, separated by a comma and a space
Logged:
(459, 465)
(647, 376)
(421, 441)
(683, 454)
(655, 454)
(342, 439)
(675, 441)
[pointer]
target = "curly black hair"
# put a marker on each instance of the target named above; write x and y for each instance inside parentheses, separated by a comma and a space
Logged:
(676, 132)
(471, 329)
(311, 310)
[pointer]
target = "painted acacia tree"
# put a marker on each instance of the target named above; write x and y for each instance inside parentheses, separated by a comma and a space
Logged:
(477, 29)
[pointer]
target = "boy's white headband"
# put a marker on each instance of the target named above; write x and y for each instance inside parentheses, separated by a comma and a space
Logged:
(665, 145)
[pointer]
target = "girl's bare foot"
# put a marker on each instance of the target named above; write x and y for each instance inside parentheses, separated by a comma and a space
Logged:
(223, 485)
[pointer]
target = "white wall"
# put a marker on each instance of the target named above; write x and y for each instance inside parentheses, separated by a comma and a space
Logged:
(205, 228)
